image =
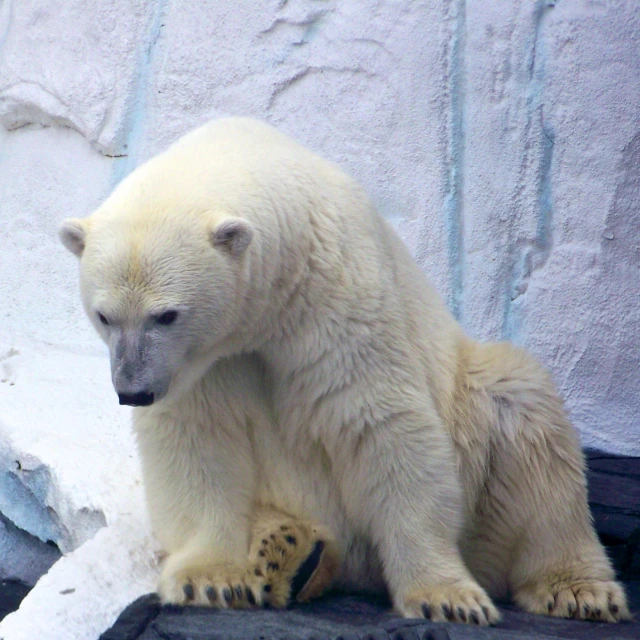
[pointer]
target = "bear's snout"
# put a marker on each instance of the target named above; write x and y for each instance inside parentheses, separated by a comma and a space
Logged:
(141, 399)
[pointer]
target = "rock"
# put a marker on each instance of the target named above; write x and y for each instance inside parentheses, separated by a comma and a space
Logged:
(12, 592)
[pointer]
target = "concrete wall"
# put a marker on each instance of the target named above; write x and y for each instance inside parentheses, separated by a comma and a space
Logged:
(502, 137)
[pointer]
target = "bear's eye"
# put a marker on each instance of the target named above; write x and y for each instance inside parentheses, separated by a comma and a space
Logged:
(102, 319)
(168, 317)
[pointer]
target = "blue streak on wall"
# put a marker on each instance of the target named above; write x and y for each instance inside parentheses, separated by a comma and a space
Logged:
(136, 111)
(453, 204)
(545, 196)
(534, 254)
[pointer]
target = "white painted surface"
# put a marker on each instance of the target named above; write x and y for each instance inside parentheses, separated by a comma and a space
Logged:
(502, 138)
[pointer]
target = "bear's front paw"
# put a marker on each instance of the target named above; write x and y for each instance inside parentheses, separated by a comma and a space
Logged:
(583, 599)
(221, 585)
(462, 601)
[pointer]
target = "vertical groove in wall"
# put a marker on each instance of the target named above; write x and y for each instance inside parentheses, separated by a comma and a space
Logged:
(136, 108)
(546, 135)
(532, 254)
(453, 203)
(6, 17)
(544, 235)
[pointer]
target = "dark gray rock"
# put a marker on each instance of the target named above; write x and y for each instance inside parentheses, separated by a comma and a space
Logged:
(12, 593)
(349, 618)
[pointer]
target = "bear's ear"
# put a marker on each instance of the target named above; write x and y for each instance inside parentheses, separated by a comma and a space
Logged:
(233, 234)
(73, 233)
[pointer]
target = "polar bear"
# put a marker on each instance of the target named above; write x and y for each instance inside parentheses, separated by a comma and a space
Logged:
(308, 411)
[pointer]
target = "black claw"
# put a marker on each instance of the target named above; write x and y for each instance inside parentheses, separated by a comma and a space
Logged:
(250, 597)
(426, 611)
(487, 615)
(549, 606)
(238, 591)
(614, 608)
(227, 595)
(291, 540)
(273, 565)
(448, 614)
(586, 609)
(475, 618)
(598, 612)
(570, 609)
(189, 593)
(461, 614)
(211, 593)
(267, 588)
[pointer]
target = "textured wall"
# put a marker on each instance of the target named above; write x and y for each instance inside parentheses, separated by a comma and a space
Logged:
(502, 138)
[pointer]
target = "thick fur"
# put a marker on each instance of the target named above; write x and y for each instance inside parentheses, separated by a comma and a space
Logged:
(314, 379)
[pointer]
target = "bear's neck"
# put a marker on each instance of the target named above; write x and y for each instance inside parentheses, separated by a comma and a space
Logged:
(323, 314)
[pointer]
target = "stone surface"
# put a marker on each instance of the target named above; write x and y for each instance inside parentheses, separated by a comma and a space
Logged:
(614, 486)
(347, 617)
(12, 592)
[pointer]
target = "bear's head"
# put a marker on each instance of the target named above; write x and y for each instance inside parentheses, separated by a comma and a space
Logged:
(161, 284)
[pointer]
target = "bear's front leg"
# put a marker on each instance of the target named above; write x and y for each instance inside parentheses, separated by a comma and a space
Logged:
(402, 483)
(199, 478)
(210, 568)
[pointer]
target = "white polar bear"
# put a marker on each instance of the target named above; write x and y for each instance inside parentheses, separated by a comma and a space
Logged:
(310, 413)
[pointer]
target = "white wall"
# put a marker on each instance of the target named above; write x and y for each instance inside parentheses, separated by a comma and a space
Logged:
(502, 137)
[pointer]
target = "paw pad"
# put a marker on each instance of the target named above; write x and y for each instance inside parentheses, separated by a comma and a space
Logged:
(290, 562)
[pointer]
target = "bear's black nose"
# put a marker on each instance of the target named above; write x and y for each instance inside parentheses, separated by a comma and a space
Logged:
(142, 399)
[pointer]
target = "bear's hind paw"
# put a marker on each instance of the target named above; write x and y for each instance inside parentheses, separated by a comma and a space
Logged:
(297, 561)
(581, 599)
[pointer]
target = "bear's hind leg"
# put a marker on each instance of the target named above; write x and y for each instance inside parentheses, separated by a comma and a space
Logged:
(297, 559)
(535, 500)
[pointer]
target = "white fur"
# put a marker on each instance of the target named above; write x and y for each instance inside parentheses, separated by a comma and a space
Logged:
(314, 371)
